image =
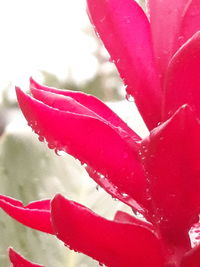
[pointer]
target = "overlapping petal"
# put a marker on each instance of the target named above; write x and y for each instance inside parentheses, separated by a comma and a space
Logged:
(190, 21)
(122, 216)
(171, 157)
(18, 261)
(191, 258)
(115, 192)
(35, 215)
(183, 79)
(165, 20)
(125, 31)
(116, 154)
(87, 103)
(113, 243)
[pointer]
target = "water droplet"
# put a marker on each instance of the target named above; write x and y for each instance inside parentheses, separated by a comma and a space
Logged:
(51, 146)
(129, 98)
(84, 165)
(101, 176)
(124, 195)
(59, 152)
(41, 138)
(97, 187)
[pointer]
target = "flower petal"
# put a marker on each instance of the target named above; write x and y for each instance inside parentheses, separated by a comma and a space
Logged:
(124, 217)
(112, 243)
(18, 261)
(165, 32)
(83, 136)
(114, 191)
(183, 81)
(124, 22)
(66, 103)
(191, 258)
(190, 21)
(171, 157)
(88, 101)
(36, 215)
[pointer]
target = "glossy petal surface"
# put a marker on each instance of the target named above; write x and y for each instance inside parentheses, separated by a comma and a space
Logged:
(121, 216)
(190, 21)
(114, 191)
(183, 79)
(84, 136)
(91, 104)
(125, 32)
(18, 261)
(191, 258)
(35, 215)
(171, 156)
(165, 20)
(114, 244)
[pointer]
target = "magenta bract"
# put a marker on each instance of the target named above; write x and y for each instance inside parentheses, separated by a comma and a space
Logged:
(18, 261)
(158, 58)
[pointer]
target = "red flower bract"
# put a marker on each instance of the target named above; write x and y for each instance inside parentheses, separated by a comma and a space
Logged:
(18, 261)
(158, 58)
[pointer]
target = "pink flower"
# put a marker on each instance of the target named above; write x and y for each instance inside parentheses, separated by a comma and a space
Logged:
(18, 261)
(158, 176)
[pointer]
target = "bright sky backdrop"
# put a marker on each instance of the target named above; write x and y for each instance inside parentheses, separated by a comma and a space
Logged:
(44, 35)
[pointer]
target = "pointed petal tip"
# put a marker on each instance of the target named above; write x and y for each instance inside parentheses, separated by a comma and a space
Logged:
(19, 92)
(18, 260)
(34, 84)
(57, 200)
(57, 197)
(10, 250)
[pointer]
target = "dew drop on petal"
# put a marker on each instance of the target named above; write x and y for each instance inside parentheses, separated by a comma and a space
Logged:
(97, 187)
(59, 152)
(101, 176)
(51, 146)
(129, 98)
(124, 195)
(84, 165)
(41, 138)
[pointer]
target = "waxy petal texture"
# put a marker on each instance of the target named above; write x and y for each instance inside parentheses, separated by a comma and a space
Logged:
(158, 58)
(35, 215)
(91, 104)
(114, 244)
(121, 216)
(114, 191)
(120, 165)
(165, 20)
(18, 261)
(171, 156)
(190, 21)
(183, 79)
(191, 258)
(125, 32)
